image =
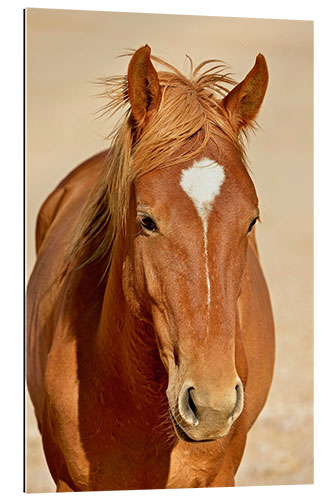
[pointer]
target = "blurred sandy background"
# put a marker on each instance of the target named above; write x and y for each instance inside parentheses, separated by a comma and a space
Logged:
(66, 51)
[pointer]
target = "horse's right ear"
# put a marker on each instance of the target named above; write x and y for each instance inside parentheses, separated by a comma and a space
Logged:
(143, 86)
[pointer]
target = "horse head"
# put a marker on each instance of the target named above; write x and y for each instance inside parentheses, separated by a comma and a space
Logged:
(188, 227)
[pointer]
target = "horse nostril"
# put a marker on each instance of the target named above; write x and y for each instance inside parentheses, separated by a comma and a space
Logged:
(187, 407)
(191, 402)
(239, 401)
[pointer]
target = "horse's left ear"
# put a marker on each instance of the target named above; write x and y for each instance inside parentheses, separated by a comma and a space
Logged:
(243, 101)
(143, 86)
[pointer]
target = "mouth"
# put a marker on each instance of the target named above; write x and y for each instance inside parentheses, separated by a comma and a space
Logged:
(182, 434)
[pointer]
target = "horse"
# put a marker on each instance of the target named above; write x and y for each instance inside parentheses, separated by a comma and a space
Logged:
(150, 334)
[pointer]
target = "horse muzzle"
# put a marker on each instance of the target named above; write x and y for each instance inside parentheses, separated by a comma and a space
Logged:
(201, 416)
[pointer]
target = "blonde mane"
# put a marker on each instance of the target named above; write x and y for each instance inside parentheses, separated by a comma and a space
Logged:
(189, 112)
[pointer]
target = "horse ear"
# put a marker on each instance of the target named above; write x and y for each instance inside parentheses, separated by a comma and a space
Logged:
(243, 101)
(143, 85)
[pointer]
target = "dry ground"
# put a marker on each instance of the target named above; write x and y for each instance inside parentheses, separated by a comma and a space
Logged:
(66, 52)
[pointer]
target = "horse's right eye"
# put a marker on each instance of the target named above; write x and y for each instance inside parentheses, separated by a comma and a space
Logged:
(148, 224)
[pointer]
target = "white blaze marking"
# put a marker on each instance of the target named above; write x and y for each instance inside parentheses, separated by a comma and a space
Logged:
(202, 183)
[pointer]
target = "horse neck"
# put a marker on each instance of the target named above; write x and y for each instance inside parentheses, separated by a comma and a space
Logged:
(126, 345)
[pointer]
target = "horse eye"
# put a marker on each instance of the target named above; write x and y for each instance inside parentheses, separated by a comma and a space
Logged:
(252, 224)
(148, 224)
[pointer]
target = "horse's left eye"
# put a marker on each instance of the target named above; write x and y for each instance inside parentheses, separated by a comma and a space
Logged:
(252, 224)
(148, 224)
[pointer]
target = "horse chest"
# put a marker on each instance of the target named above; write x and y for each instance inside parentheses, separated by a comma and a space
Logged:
(126, 468)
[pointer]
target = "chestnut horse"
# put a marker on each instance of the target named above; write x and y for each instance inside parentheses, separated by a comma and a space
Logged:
(150, 342)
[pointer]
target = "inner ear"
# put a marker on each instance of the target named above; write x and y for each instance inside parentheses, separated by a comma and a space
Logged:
(243, 102)
(143, 86)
